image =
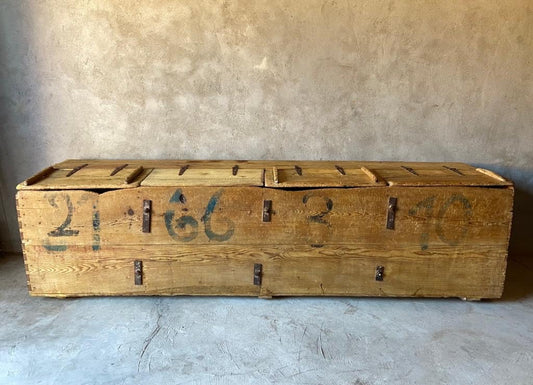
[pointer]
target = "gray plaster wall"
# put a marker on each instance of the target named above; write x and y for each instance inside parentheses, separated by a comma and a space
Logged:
(368, 80)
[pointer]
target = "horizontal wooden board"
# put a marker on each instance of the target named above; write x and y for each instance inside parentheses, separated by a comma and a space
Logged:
(423, 174)
(318, 177)
(289, 270)
(194, 176)
(391, 173)
(89, 178)
(109, 273)
(428, 217)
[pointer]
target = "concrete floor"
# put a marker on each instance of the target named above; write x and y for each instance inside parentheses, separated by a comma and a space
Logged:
(184, 340)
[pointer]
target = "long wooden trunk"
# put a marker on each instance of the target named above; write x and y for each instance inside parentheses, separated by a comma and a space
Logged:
(254, 228)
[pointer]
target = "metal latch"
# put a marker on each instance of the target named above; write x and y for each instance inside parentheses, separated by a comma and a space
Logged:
(267, 210)
(409, 169)
(147, 215)
(455, 170)
(258, 272)
(391, 212)
(380, 270)
(183, 169)
(118, 168)
(138, 272)
(76, 169)
(340, 169)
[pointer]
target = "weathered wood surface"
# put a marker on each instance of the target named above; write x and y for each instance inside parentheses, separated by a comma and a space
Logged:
(287, 270)
(450, 237)
(88, 178)
(319, 177)
(436, 175)
(204, 177)
(455, 216)
(314, 174)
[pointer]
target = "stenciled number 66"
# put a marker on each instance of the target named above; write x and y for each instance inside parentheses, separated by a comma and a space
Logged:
(188, 221)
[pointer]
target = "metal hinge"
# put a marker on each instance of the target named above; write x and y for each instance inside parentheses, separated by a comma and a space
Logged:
(267, 211)
(138, 272)
(391, 212)
(258, 272)
(380, 271)
(147, 215)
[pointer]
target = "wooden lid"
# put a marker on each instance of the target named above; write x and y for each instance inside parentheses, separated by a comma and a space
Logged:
(83, 175)
(438, 174)
(119, 174)
(321, 176)
(203, 176)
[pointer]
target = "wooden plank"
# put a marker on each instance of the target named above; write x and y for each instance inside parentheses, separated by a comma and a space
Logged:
(319, 177)
(89, 178)
(23, 246)
(204, 177)
(288, 270)
(324, 273)
(440, 174)
(39, 176)
(427, 217)
(424, 216)
(372, 175)
(394, 173)
(83, 271)
(58, 219)
(134, 174)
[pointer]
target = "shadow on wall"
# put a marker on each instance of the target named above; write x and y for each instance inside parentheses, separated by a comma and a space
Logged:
(518, 279)
(521, 244)
(3, 217)
(21, 113)
(518, 282)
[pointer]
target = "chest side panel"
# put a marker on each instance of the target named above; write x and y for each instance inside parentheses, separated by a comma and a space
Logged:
(446, 241)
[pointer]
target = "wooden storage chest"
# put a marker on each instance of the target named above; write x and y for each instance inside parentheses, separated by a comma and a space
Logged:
(265, 228)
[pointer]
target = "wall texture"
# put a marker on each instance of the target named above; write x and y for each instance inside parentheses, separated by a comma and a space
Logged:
(373, 80)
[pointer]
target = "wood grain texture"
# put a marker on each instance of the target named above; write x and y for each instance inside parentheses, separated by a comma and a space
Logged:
(39, 176)
(319, 177)
(429, 216)
(391, 173)
(326, 235)
(492, 174)
(287, 270)
(204, 177)
(89, 178)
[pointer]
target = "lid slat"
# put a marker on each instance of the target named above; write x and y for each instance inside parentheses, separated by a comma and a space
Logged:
(205, 177)
(321, 177)
(86, 177)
